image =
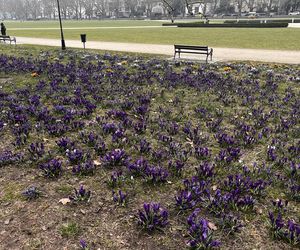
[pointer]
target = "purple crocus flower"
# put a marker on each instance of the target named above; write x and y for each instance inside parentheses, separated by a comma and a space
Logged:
(116, 157)
(153, 217)
(52, 168)
(120, 197)
(83, 245)
(81, 195)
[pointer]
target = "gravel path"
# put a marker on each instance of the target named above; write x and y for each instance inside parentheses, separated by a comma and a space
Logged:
(220, 54)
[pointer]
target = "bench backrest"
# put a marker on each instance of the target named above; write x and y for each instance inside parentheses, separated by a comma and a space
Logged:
(190, 47)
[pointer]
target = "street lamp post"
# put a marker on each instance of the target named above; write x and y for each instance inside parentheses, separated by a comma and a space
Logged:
(63, 45)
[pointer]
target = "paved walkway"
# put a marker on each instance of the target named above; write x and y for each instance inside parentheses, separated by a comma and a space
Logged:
(220, 54)
(294, 25)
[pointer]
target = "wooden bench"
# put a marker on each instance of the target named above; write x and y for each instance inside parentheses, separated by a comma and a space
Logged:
(203, 50)
(8, 38)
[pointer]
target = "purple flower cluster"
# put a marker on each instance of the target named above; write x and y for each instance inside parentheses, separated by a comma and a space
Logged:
(138, 168)
(202, 153)
(185, 200)
(52, 168)
(36, 150)
(120, 197)
(153, 217)
(245, 115)
(116, 157)
(288, 231)
(200, 233)
(86, 168)
(8, 157)
(81, 195)
(65, 143)
(230, 223)
(156, 174)
(75, 156)
(224, 139)
(176, 167)
(205, 171)
(116, 179)
(31, 193)
(228, 155)
(143, 146)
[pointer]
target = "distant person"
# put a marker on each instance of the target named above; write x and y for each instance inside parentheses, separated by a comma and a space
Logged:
(3, 29)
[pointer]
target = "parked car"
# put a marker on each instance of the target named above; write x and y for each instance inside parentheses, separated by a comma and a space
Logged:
(251, 14)
(261, 14)
(295, 13)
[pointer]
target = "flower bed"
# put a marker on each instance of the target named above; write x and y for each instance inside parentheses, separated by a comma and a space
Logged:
(196, 156)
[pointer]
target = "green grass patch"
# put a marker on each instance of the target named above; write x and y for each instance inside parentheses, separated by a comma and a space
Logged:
(38, 50)
(10, 192)
(80, 24)
(254, 38)
(64, 189)
(70, 229)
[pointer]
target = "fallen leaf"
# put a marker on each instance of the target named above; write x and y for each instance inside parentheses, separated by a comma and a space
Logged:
(212, 226)
(64, 201)
(97, 163)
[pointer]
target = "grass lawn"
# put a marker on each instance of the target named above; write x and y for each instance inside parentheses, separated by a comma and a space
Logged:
(278, 38)
(81, 23)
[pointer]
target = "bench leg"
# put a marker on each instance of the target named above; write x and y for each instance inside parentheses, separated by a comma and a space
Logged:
(174, 55)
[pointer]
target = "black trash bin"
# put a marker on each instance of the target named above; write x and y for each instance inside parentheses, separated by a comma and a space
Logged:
(83, 39)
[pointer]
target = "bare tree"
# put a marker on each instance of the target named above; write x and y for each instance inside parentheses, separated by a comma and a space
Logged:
(131, 5)
(18, 8)
(88, 6)
(170, 9)
(214, 5)
(290, 5)
(77, 8)
(34, 8)
(149, 4)
(251, 4)
(240, 5)
(101, 8)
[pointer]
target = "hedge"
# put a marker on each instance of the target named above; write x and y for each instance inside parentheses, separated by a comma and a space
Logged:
(176, 24)
(233, 25)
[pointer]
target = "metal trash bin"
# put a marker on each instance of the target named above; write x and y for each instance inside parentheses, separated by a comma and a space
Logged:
(83, 39)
